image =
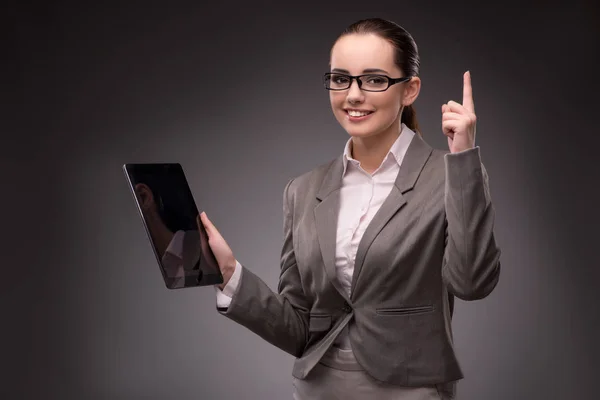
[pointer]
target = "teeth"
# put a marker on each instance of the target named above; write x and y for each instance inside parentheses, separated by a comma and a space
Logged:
(358, 113)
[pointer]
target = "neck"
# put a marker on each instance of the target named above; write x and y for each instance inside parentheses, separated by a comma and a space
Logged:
(370, 151)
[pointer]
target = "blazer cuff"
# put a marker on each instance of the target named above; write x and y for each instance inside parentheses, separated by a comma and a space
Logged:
(462, 167)
(472, 151)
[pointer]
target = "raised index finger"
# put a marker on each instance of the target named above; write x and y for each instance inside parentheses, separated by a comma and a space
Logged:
(468, 93)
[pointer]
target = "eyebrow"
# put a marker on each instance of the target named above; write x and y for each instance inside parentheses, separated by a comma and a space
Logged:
(365, 71)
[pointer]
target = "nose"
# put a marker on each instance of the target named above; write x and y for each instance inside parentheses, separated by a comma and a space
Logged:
(355, 95)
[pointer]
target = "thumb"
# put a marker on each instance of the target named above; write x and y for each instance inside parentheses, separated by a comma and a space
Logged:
(211, 230)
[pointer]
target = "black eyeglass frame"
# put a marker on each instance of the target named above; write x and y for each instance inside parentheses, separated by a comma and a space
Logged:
(391, 81)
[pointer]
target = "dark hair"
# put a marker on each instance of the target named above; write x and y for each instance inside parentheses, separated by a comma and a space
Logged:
(407, 53)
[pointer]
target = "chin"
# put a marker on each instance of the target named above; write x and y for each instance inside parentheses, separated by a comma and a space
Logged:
(360, 131)
(359, 134)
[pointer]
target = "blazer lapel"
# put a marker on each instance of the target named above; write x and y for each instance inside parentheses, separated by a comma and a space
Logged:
(414, 160)
(326, 219)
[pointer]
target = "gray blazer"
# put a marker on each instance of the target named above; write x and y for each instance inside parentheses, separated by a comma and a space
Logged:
(432, 239)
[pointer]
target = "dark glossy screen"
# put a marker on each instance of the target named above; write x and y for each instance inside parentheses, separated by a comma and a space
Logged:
(169, 214)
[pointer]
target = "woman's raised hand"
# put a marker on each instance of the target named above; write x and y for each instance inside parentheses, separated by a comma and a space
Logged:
(458, 121)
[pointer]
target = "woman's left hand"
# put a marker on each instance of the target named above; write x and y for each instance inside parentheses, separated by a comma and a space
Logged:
(458, 121)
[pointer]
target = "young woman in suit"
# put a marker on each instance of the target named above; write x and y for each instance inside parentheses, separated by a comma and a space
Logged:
(378, 241)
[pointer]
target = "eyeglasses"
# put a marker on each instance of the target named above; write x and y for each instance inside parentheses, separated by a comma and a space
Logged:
(368, 82)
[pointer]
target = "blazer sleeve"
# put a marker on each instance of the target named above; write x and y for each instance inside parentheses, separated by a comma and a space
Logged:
(281, 318)
(471, 266)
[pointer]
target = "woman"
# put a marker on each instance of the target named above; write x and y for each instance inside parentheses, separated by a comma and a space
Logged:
(378, 241)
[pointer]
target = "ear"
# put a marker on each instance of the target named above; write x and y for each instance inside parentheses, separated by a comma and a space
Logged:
(411, 91)
(144, 195)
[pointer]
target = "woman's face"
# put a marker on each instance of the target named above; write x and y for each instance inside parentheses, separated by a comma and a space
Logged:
(357, 54)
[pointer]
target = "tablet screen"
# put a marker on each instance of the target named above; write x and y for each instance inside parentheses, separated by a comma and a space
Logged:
(168, 212)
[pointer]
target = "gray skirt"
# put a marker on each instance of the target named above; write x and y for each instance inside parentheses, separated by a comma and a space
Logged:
(339, 376)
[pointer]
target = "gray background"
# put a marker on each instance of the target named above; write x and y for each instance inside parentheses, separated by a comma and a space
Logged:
(235, 95)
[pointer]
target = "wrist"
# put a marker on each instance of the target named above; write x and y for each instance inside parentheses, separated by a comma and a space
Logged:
(226, 272)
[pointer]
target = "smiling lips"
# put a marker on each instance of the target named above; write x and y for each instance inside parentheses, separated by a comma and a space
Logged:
(356, 115)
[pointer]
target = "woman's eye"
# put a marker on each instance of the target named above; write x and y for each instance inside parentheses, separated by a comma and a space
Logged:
(376, 80)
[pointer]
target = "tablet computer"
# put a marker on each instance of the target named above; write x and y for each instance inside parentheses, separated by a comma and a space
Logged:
(169, 215)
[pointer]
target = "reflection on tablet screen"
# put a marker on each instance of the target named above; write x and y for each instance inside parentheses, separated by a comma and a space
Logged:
(169, 213)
